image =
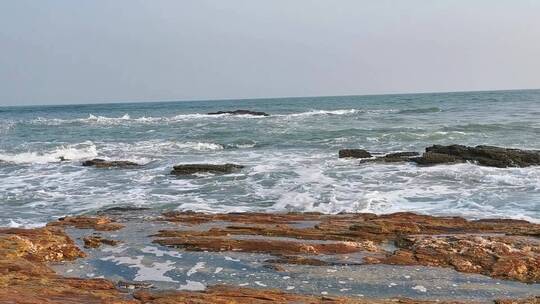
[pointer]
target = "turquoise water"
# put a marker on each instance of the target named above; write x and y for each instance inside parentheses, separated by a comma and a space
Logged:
(291, 156)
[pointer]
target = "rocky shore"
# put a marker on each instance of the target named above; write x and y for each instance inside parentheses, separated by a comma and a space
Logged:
(282, 244)
(437, 154)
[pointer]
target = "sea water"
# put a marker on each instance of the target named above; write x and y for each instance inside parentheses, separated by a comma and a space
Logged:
(290, 156)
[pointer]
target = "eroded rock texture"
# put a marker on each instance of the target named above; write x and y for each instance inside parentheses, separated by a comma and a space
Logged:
(26, 278)
(507, 249)
(502, 257)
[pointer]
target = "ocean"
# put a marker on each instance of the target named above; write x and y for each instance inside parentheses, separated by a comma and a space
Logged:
(290, 157)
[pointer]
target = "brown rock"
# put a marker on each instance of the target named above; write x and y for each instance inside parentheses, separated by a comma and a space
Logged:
(95, 241)
(99, 223)
(25, 278)
(505, 257)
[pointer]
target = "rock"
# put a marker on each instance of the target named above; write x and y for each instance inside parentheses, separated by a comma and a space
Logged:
(240, 112)
(392, 157)
(26, 278)
(482, 155)
(354, 153)
(421, 239)
(95, 241)
(223, 294)
(502, 257)
(434, 158)
(101, 163)
(99, 223)
(190, 169)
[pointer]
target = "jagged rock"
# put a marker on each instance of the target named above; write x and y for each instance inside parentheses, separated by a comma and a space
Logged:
(101, 163)
(497, 256)
(482, 155)
(25, 278)
(240, 112)
(354, 153)
(95, 241)
(190, 169)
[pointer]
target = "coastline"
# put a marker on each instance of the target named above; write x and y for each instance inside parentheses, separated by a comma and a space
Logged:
(294, 247)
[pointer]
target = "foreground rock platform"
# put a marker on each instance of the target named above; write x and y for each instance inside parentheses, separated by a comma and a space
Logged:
(507, 249)
(291, 245)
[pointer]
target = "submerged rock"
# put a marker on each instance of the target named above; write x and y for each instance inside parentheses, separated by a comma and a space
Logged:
(189, 169)
(482, 155)
(100, 223)
(240, 112)
(95, 241)
(354, 153)
(101, 163)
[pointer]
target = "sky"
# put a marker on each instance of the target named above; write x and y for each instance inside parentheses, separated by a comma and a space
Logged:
(69, 52)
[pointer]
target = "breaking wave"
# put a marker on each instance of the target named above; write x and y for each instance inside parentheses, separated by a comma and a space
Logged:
(68, 152)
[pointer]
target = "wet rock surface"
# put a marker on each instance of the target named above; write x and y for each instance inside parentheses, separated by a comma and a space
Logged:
(353, 153)
(504, 257)
(483, 155)
(26, 278)
(513, 255)
(95, 241)
(100, 223)
(190, 169)
(240, 112)
(101, 163)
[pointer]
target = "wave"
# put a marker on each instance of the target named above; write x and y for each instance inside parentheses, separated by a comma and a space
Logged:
(323, 112)
(126, 118)
(420, 110)
(69, 152)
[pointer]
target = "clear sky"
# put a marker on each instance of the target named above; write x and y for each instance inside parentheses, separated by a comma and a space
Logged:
(66, 51)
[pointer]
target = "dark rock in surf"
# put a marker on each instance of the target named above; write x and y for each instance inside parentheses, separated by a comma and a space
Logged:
(240, 112)
(189, 169)
(482, 155)
(354, 153)
(393, 157)
(101, 163)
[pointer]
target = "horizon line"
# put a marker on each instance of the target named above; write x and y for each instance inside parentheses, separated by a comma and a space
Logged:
(261, 98)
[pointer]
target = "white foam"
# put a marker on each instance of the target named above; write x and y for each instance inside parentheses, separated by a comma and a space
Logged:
(194, 269)
(70, 152)
(155, 272)
(192, 286)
